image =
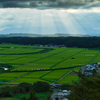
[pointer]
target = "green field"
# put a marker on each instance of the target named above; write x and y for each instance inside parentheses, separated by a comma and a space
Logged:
(32, 77)
(53, 76)
(10, 76)
(97, 59)
(29, 58)
(69, 79)
(41, 96)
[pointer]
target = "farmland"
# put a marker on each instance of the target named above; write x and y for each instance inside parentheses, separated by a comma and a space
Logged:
(32, 64)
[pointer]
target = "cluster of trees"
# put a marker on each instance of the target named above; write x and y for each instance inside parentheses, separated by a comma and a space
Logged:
(32, 96)
(41, 86)
(65, 86)
(3, 65)
(81, 42)
(88, 88)
(23, 88)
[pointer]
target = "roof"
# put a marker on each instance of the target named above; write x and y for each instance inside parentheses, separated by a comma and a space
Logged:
(65, 91)
(89, 74)
(65, 99)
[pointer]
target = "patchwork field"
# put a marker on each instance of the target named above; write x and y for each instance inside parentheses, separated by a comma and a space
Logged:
(53, 76)
(32, 77)
(97, 59)
(38, 59)
(10, 76)
(69, 79)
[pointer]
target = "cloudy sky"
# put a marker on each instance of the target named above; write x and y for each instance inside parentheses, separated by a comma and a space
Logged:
(50, 16)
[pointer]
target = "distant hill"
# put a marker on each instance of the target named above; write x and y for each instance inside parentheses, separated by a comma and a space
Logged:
(42, 35)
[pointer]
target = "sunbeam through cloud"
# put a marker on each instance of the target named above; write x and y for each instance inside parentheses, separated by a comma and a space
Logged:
(50, 17)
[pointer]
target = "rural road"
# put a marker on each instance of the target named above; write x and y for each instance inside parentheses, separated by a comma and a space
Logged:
(83, 69)
(19, 77)
(94, 57)
(64, 76)
(55, 94)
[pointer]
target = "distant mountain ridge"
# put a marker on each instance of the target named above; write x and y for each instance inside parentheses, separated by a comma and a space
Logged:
(42, 35)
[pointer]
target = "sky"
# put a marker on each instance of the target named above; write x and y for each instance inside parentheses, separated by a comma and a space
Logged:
(50, 17)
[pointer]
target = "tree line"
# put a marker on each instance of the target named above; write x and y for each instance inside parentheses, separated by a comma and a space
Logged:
(3, 65)
(81, 42)
(88, 88)
(24, 88)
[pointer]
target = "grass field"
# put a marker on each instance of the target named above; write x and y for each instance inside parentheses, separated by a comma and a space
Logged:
(77, 69)
(53, 76)
(19, 50)
(69, 79)
(32, 77)
(97, 59)
(41, 96)
(21, 60)
(81, 58)
(28, 80)
(10, 76)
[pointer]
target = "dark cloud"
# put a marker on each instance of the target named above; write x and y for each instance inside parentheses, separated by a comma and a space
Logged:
(17, 3)
(44, 3)
(13, 4)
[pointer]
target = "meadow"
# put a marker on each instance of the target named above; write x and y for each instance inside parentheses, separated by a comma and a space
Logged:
(10, 76)
(42, 63)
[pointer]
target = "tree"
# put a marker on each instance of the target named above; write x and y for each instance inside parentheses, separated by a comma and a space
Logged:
(56, 98)
(32, 96)
(94, 72)
(41, 86)
(23, 98)
(5, 92)
(2, 69)
(25, 86)
(23, 90)
(65, 86)
(88, 88)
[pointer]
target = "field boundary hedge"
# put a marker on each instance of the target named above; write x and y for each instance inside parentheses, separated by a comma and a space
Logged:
(66, 59)
(42, 51)
(47, 69)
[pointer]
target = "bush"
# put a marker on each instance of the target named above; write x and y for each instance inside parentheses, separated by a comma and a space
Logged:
(5, 92)
(56, 98)
(25, 87)
(65, 86)
(32, 97)
(88, 88)
(41, 86)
